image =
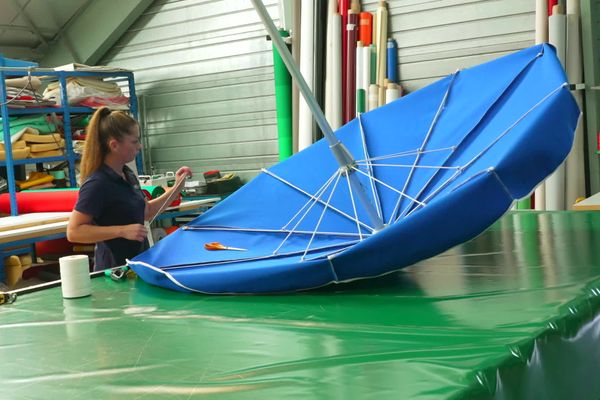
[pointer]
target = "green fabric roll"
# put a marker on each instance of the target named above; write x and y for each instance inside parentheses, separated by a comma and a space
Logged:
(155, 191)
(360, 101)
(524, 204)
(373, 69)
(283, 101)
(17, 124)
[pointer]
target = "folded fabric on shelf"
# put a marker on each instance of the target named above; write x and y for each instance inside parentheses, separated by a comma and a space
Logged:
(29, 124)
(17, 154)
(78, 146)
(39, 147)
(79, 88)
(31, 137)
(35, 178)
(19, 144)
(48, 153)
(29, 82)
(114, 103)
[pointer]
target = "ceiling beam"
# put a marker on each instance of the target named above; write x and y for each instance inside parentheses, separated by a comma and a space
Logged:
(21, 53)
(24, 29)
(95, 30)
(21, 10)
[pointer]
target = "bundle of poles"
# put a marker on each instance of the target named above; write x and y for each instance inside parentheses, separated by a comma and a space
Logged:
(347, 49)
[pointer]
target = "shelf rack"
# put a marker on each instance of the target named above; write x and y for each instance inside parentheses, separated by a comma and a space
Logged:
(65, 109)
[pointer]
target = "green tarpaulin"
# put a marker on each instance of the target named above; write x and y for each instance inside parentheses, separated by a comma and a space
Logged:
(512, 314)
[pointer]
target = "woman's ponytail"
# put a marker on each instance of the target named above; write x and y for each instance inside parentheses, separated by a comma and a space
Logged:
(103, 126)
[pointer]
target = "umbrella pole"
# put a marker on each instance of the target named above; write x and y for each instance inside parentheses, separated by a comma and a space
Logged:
(342, 155)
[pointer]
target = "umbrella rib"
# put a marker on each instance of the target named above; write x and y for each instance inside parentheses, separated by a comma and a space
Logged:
(477, 156)
(330, 253)
(321, 216)
(436, 118)
(409, 166)
(267, 257)
(389, 187)
(354, 207)
(406, 211)
(310, 195)
(310, 200)
(325, 187)
(407, 153)
(257, 230)
(370, 168)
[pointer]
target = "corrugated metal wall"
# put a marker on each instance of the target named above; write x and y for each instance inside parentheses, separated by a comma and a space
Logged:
(204, 69)
(437, 37)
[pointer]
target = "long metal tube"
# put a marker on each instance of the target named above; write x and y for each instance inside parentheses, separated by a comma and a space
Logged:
(340, 152)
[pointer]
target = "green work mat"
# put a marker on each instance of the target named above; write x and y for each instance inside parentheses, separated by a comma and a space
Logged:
(512, 314)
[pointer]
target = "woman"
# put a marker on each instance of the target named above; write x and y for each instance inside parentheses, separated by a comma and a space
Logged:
(111, 208)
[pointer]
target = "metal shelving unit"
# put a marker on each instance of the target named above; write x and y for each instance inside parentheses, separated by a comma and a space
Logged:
(66, 111)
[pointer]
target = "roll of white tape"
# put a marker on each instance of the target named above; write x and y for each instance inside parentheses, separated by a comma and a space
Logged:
(75, 276)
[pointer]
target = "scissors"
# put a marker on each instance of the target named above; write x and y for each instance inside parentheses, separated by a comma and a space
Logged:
(219, 246)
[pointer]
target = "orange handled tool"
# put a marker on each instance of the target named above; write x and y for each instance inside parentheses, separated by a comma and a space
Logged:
(219, 246)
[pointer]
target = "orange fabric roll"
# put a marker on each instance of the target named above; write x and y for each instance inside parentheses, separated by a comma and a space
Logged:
(365, 28)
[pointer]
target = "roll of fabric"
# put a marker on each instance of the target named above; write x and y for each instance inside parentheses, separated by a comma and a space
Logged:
(382, 15)
(344, 7)
(575, 168)
(392, 61)
(366, 72)
(305, 118)
(373, 99)
(360, 81)
(155, 191)
(75, 276)
(392, 93)
(541, 36)
(283, 101)
(365, 28)
(41, 201)
(555, 184)
(350, 101)
(333, 77)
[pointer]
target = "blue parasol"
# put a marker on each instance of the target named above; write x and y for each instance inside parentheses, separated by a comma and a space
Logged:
(437, 167)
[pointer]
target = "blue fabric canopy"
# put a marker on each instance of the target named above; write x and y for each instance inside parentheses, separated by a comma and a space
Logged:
(439, 166)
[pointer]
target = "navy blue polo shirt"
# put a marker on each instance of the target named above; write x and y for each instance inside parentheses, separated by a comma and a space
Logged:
(111, 200)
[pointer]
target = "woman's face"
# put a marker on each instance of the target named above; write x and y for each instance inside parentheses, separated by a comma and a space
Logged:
(128, 147)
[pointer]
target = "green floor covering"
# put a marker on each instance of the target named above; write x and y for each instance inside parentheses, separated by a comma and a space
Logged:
(511, 314)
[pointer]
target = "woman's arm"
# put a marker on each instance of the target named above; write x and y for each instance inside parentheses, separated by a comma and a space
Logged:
(81, 230)
(155, 205)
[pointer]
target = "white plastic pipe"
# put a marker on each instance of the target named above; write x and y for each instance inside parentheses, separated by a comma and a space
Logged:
(541, 36)
(557, 34)
(575, 175)
(307, 61)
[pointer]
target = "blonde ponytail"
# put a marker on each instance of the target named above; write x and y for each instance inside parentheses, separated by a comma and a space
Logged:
(103, 126)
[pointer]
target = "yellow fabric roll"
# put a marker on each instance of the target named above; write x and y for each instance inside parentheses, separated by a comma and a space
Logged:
(18, 154)
(39, 147)
(19, 144)
(49, 153)
(35, 178)
(48, 138)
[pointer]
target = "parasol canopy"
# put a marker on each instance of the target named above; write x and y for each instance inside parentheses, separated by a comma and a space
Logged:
(439, 166)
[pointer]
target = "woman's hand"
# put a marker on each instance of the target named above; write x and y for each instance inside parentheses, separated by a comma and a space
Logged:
(136, 232)
(186, 171)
